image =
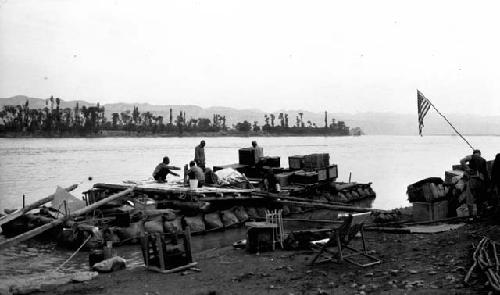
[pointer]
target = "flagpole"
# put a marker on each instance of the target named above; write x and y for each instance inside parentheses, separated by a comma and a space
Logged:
(446, 119)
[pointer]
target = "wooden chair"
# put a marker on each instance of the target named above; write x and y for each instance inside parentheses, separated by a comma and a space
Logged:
(340, 237)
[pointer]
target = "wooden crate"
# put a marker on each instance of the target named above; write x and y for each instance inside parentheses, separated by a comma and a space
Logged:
(426, 211)
(304, 177)
(163, 252)
(260, 236)
(283, 178)
(246, 156)
(296, 162)
(333, 172)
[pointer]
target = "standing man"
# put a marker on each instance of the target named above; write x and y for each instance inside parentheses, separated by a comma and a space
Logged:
(476, 175)
(199, 155)
(258, 151)
(162, 170)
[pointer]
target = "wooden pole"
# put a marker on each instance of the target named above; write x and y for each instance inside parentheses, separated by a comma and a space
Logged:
(275, 196)
(332, 207)
(350, 174)
(34, 232)
(24, 200)
(32, 206)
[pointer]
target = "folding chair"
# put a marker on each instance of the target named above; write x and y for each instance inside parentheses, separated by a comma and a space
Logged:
(340, 237)
(275, 217)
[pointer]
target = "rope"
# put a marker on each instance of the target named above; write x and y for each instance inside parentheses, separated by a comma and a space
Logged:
(485, 264)
(73, 255)
(446, 119)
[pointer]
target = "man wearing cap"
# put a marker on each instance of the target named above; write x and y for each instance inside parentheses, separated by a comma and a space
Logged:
(476, 176)
(163, 169)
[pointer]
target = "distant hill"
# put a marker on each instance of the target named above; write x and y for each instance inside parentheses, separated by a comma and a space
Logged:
(370, 123)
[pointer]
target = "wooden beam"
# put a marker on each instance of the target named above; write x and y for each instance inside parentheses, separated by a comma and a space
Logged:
(34, 232)
(344, 208)
(30, 207)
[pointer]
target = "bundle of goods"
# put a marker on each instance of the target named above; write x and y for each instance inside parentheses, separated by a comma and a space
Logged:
(431, 189)
(229, 176)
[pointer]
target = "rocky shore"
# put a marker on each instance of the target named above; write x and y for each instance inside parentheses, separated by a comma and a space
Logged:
(411, 264)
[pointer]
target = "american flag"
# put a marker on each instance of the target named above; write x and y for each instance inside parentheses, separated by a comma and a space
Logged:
(423, 105)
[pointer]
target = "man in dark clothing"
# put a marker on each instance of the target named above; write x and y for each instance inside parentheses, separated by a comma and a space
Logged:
(476, 175)
(162, 170)
(199, 155)
(195, 172)
(495, 180)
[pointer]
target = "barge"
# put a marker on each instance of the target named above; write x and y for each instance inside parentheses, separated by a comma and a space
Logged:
(307, 185)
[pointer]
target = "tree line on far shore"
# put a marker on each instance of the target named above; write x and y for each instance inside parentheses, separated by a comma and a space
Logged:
(87, 120)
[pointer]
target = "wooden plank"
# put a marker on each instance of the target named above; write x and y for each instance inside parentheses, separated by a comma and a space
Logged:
(30, 207)
(332, 207)
(180, 268)
(34, 232)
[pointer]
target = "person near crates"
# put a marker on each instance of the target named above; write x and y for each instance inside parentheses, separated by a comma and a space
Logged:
(163, 169)
(258, 151)
(476, 176)
(199, 155)
(196, 172)
(495, 181)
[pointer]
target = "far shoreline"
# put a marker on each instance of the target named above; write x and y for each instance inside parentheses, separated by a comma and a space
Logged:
(135, 134)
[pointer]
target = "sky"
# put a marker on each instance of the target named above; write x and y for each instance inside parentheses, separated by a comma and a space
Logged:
(340, 56)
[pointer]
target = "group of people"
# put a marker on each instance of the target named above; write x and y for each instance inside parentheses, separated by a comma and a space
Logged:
(197, 169)
(480, 187)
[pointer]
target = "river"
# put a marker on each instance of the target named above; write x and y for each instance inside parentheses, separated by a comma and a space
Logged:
(34, 167)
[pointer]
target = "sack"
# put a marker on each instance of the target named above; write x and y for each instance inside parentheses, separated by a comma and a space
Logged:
(195, 223)
(240, 213)
(229, 218)
(212, 221)
(173, 226)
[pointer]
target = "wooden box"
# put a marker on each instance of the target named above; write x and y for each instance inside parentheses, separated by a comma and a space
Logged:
(304, 177)
(246, 156)
(283, 178)
(426, 211)
(333, 172)
(296, 162)
(322, 174)
(260, 236)
(270, 161)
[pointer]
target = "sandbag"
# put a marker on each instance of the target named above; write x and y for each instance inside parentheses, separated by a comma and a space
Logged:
(212, 221)
(252, 213)
(153, 226)
(195, 223)
(111, 264)
(261, 212)
(173, 226)
(240, 213)
(285, 211)
(131, 233)
(229, 218)
(168, 214)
